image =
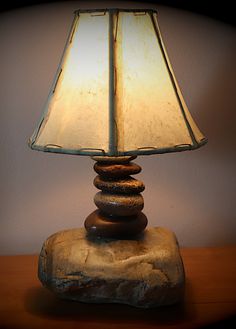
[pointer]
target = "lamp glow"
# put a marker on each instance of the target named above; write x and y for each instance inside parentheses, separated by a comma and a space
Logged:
(115, 97)
(141, 111)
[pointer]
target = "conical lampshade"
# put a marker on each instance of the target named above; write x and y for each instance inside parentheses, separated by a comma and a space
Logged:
(115, 92)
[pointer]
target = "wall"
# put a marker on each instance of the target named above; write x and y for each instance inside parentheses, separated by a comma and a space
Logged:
(192, 193)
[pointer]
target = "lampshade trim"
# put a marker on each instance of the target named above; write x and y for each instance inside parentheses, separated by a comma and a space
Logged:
(115, 10)
(112, 109)
(140, 151)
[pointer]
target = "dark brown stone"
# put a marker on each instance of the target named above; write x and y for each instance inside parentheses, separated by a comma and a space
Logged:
(119, 159)
(116, 170)
(118, 204)
(127, 186)
(99, 225)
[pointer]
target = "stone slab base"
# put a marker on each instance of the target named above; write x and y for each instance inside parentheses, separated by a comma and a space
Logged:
(145, 272)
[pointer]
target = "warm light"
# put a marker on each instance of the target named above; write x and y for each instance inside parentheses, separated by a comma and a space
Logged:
(78, 105)
(115, 92)
(148, 111)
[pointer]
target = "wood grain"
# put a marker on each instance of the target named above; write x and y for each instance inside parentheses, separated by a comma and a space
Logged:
(210, 298)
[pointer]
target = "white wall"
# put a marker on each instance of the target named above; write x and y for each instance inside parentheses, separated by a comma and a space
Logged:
(193, 193)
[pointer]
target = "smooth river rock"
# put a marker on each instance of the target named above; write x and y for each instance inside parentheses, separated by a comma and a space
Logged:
(116, 170)
(129, 185)
(123, 228)
(144, 272)
(118, 204)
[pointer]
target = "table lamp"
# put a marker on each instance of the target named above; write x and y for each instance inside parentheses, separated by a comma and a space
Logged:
(115, 97)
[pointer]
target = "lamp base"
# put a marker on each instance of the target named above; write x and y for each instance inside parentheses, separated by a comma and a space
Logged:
(144, 272)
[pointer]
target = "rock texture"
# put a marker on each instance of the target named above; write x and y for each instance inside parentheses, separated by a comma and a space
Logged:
(116, 170)
(118, 204)
(128, 185)
(144, 272)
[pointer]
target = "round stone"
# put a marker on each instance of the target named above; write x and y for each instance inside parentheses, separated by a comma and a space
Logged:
(98, 225)
(118, 159)
(118, 204)
(116, 170)
(127, 186)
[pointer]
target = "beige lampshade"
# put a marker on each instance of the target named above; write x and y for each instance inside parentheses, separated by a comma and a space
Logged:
(115, 92)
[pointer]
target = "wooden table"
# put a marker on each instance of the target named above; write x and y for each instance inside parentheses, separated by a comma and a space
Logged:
(210, 298)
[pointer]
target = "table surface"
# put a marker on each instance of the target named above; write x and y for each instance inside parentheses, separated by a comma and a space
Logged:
(210, 298)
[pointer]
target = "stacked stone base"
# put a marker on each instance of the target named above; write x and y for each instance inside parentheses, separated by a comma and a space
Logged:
(119, 202)
(144, 272)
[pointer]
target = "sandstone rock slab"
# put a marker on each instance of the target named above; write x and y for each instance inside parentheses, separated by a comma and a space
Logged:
(145, 272)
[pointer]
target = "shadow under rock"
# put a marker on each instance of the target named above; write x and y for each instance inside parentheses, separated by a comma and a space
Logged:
(43, 303)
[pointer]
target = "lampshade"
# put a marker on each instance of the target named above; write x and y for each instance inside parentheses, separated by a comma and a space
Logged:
(115, 92)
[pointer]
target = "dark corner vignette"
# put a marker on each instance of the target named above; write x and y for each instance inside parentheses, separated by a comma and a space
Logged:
(216, 10)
